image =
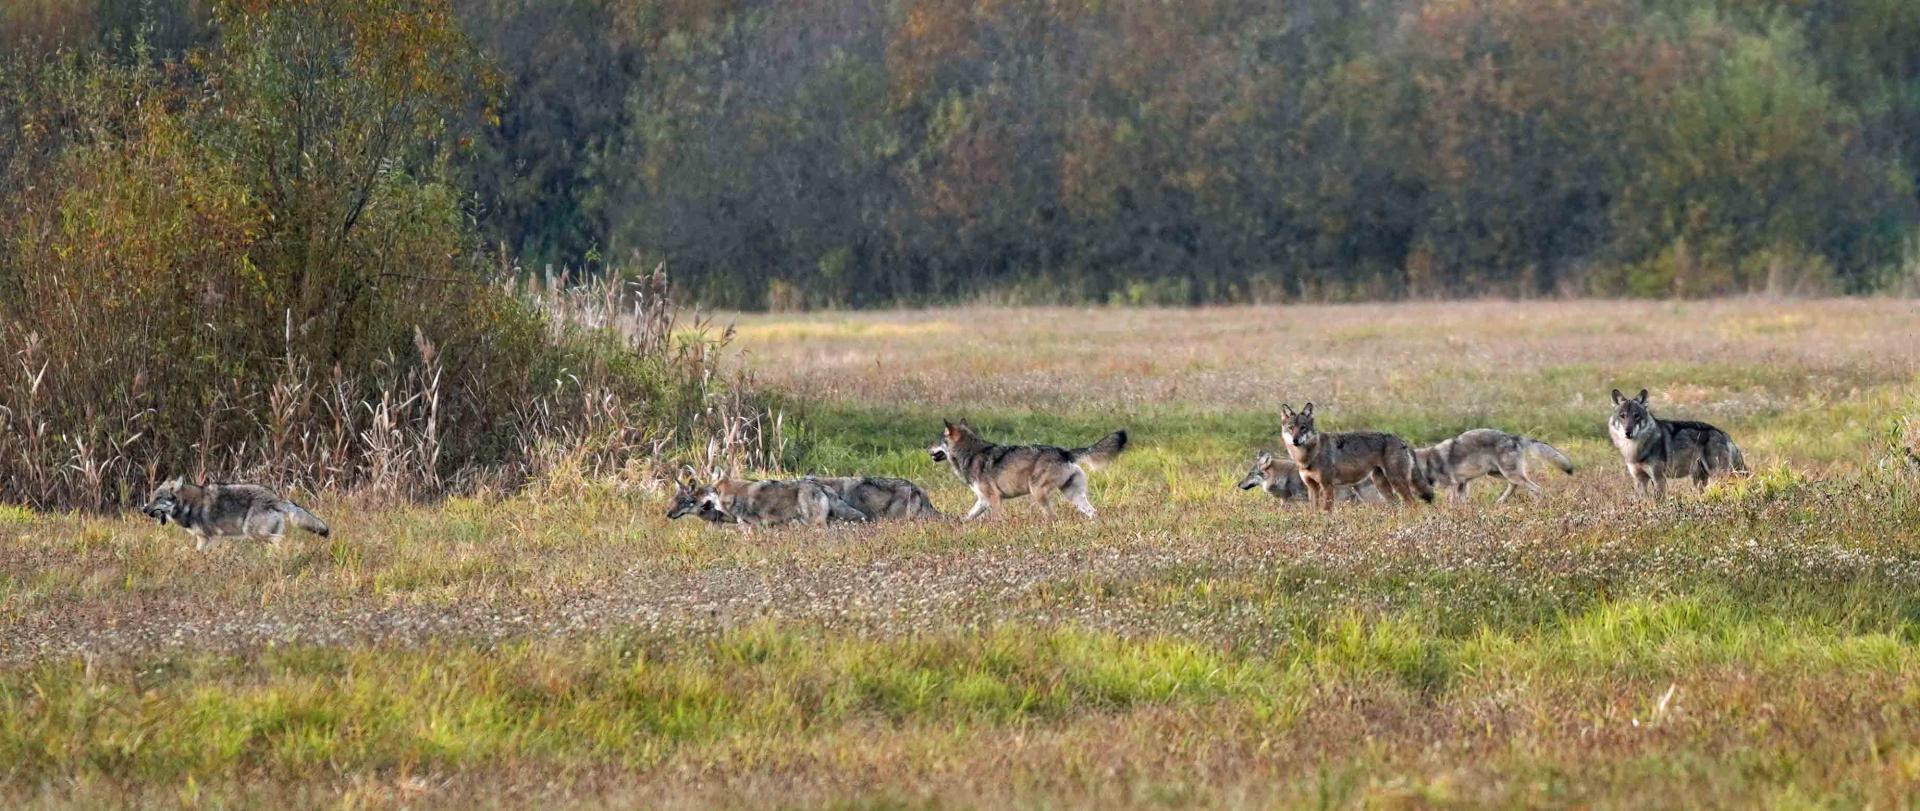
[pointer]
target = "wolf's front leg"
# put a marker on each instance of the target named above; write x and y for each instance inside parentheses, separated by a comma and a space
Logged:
(987, 499)
(980, 507)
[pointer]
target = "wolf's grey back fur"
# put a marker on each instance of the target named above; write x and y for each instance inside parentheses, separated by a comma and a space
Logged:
(1655, 450)
(881, 497)
(1454, 463)
(213, 512)
(770, 502)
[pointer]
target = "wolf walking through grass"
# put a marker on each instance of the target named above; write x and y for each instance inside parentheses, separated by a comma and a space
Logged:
(995, 472)
(213, 512)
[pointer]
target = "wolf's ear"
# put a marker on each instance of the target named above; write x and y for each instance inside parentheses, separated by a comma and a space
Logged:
(1286, 410)
(948, 424)
(1643, 397)
(1263, 459)
(1307, 410)
(1617, 397)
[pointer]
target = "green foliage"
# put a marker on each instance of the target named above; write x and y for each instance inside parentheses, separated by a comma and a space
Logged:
(1145, 153)
(267, 270)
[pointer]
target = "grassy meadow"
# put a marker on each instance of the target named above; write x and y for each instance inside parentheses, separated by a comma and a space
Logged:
(1752, 645)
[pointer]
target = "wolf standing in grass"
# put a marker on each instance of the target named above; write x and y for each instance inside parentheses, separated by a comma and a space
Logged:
(1656, 449)
(214, 512)
(994, 472)
(1328, 460)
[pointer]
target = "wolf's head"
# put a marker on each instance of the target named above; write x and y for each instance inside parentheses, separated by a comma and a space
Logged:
(1296, 427)
(1264, 468)
(1631, 418)
(167, 502)
(687, 498)
(951, 436)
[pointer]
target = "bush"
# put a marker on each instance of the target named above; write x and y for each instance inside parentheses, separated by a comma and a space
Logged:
(252, 265)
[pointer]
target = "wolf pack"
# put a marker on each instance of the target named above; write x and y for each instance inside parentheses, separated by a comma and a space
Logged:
(1320, 467)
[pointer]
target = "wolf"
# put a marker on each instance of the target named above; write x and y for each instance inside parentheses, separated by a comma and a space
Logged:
(1280, 477)
(690, 498)
(1328, 460)
(1453, 463)
(772, 502)
(1656, 449)
(214, 512)
(881, 498)
(994, 472)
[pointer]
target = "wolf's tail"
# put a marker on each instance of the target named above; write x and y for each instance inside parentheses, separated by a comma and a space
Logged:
(839, 510)
(1097, 455)
(1553, 453)
(300, 517)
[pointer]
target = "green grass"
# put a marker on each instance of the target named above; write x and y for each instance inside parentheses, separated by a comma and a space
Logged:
(1752, 645)
(753, 697)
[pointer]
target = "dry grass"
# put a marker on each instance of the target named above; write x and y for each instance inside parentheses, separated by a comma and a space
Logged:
(1195, 646)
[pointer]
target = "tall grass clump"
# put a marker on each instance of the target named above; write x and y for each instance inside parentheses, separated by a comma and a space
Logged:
(249, 262)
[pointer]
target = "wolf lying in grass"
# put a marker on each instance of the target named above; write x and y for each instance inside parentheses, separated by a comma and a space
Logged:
(774, 502)
(1343, 459)
(215, 512)
(1454, 463)
(852, 498)
(1656, 449)
(881, 497)
(994, 472)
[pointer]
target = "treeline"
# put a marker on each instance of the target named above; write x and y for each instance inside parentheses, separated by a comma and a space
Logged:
(863, 152)
(867, 152)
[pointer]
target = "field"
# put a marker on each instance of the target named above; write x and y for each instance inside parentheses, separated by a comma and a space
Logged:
(1193, 646)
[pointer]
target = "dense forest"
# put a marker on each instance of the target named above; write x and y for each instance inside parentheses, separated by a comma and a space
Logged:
(869, 152)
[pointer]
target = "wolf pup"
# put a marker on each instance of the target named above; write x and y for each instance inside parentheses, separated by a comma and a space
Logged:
(762, 503)
(1453, 463)
(1328, 460)
(1656, 449)
(995, 472)
(1280, 477)
(214, 512)
(881, 498)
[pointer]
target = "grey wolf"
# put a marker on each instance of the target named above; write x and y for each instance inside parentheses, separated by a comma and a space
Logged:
(214, 512)
(1453, 463)
(1280, 477)
(1656, 449)
(761, 503)
(691, 498)
(1330, 459)
(879, 497)
(994, 472)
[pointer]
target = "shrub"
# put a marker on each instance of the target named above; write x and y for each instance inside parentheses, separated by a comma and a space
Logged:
(252, 265)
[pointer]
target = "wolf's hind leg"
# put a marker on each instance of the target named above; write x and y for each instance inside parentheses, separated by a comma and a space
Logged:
(1076, 493)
